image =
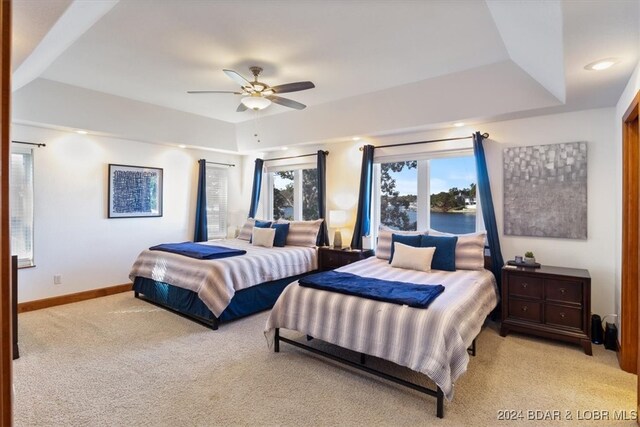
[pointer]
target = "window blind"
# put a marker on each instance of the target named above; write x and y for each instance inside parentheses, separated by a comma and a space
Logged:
(21, 199)
(217, 202)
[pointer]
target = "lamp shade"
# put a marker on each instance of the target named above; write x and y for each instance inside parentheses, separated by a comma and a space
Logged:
(255, 102)
(337, 218)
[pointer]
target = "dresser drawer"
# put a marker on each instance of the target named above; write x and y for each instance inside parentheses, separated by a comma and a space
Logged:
(563, 291)
(567, 317)
(525, 310)
(523, 286)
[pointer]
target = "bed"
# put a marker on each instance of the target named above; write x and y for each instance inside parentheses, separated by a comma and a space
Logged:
(433, 341)
(220, 290)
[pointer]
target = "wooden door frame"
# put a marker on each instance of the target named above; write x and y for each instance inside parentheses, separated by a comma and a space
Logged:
(629, 329)
(6, 342)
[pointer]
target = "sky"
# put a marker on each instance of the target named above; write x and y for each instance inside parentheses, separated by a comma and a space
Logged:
(445, 174)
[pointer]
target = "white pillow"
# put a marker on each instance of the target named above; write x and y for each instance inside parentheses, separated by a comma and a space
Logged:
(469, 249)
(383, 248)
(263, 237)
(405, 256)
(247, 229)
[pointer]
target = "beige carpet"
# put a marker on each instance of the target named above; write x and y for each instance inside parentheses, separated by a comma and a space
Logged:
(121, 361)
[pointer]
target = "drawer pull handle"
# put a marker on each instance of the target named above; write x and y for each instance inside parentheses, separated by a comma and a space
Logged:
(525, 308)
(563, 290)
(524, 284)
(562, 315)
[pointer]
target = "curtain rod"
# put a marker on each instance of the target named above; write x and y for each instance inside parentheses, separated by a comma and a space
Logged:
(38, 144)
(294, 157)
(223, 164)
(484, 135)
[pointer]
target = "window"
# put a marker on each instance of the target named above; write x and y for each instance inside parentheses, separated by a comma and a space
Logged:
(216, 202)
(437, 193)
(293, 194)
(21, 199)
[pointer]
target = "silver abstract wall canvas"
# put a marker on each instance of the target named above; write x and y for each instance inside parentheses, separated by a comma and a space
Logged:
(134, 191)
(545, 190)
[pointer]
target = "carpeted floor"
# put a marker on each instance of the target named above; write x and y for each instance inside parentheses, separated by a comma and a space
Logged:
(121, 361)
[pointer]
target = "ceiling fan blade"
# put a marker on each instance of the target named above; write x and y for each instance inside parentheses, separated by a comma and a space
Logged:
(241, 108)
(293, 87)
(237, 78)
(214, 91)
(286, 102)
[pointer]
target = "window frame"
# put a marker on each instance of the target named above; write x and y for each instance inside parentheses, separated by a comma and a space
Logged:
(297, 187)
(424, 178)
(27, 262)
(224, 232)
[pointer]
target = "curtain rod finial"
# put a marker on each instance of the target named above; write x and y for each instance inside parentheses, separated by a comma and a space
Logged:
(485, 135)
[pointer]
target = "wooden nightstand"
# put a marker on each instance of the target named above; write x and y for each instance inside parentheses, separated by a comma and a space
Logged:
(330, 258)
(550, 302)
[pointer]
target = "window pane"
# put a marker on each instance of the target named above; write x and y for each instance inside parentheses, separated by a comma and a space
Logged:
(216, 202)
(283, 195)
(310, 194)
(453, 194)
(399, 195)
(21, 193)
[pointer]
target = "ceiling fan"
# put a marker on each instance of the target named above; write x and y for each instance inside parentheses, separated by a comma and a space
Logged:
(258, 95)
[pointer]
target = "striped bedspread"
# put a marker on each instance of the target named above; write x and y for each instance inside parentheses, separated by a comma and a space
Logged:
(216, 281)
(432, 341)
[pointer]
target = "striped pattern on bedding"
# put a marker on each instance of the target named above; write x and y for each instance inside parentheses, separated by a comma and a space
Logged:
(247, 229)
(216, 281)
(385, 235)
(302, 233)
(469, 249)
(432, 341)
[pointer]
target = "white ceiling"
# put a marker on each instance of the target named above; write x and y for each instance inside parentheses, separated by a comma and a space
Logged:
(354, 51)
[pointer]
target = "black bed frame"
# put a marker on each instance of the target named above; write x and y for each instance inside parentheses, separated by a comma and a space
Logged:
(437, 393)
(212, 323)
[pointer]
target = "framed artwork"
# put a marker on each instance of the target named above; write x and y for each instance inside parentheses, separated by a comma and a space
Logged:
(134, 191)
(545, 190)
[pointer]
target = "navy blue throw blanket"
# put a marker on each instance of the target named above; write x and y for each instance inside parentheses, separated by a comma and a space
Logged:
(413, 295)
(197, 250)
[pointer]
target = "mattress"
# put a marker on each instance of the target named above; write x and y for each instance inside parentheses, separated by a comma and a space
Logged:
(216, 281)
(432, 341)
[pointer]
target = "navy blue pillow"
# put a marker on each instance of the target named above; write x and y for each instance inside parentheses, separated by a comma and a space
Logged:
(260, 224)
(281, 234)
(411, 240)
(445, 256)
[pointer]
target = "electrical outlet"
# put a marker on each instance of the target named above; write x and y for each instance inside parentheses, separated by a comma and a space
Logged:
(57, 279)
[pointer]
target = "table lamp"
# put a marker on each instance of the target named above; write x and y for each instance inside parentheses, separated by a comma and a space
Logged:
(337, 219)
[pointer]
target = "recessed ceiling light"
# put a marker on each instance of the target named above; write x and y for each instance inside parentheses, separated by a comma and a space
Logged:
(82, 132)
(182, 146)
(458, 124)
(356, 138)
(600, 65)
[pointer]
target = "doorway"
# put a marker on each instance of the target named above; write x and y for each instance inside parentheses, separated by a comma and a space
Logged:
(628, 353)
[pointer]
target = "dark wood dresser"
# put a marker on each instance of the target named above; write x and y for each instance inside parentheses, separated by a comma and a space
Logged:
(330, 258)
(550, 302)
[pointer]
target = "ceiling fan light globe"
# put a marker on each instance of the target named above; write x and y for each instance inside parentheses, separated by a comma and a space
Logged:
(255, 102)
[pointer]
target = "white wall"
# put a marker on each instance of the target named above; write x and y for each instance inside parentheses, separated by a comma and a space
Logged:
(594, 126)
(72, 234)
(627, 96)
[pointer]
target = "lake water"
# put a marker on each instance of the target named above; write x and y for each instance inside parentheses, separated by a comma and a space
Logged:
(455, 223)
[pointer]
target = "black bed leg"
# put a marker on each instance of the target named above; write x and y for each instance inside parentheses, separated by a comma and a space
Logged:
(214, 323)
(473, 348)
(440, 403)
(136, 294)
(276, 341)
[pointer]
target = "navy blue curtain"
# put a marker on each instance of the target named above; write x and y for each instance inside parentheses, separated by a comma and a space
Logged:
(489, 214)
(201, 234)
(323, 234)
(363, 219)
(255, 193)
